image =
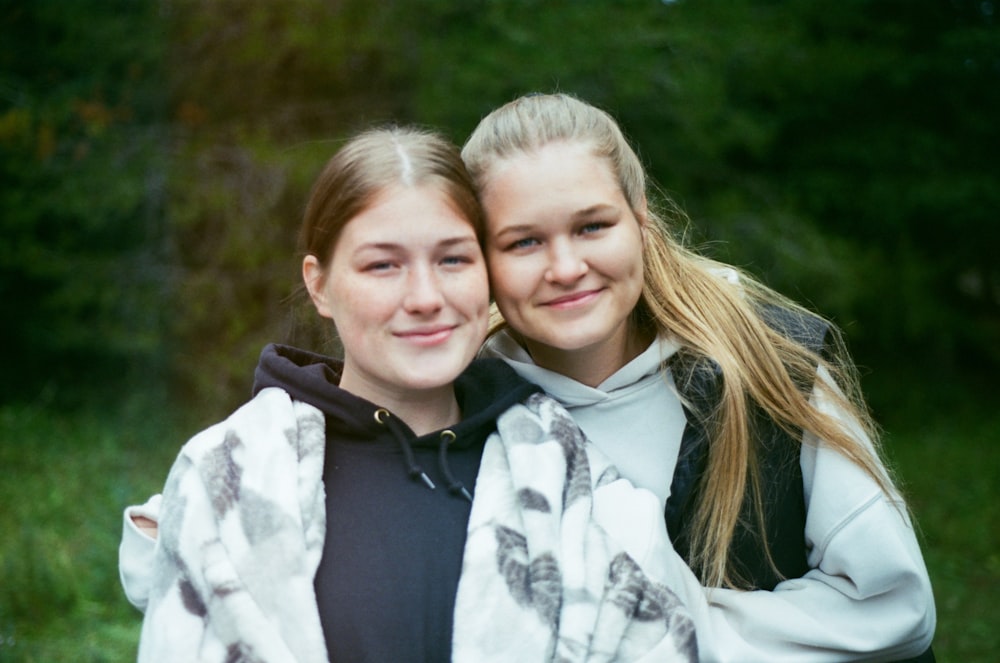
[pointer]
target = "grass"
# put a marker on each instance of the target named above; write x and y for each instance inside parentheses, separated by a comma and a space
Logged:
(64, 478)
(949, 465)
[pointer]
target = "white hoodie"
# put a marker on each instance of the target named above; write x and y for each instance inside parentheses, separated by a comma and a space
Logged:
(867, 595)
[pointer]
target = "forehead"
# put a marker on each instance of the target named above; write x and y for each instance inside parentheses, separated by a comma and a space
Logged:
(552, 153)
(408, 215)
(555, 176)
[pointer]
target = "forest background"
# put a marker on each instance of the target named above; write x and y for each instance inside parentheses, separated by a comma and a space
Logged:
(155, 157)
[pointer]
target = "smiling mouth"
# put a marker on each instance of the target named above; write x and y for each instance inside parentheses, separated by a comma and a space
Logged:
(429, 336)
(574, 299)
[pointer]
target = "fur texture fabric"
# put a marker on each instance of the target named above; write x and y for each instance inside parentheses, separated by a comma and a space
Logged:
(242, 525)
(542, 578)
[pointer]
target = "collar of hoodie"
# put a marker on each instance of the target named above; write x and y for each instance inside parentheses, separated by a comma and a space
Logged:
(484, 390)
(445, 438)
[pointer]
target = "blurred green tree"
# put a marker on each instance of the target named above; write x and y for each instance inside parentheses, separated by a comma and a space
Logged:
(82, 138)
(855, 167)
(156, 157)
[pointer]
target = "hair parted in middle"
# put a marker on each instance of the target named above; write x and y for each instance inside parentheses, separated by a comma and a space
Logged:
(370, 164)
(719, 321)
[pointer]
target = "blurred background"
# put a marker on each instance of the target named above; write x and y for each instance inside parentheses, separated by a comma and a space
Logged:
(156, 156)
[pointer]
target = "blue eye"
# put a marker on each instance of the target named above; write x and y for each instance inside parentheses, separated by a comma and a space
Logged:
(594, 227)
(523, 243)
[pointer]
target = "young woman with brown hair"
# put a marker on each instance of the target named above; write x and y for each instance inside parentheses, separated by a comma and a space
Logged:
(309, 526)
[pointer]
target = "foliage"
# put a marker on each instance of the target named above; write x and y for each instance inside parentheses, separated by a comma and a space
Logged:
(942, 443)
(81, 235)
(871, 125)
(64, 481)
(157, 156)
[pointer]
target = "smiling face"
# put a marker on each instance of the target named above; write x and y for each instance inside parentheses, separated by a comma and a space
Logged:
(406, 287)
(565, 255)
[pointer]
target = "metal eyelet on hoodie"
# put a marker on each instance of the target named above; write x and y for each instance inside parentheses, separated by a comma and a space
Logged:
(385, 418)
(455, 487)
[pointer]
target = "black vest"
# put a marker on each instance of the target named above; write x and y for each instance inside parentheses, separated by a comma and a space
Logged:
(699, 382)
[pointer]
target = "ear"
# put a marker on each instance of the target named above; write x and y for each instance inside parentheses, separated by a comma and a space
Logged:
(314, 276)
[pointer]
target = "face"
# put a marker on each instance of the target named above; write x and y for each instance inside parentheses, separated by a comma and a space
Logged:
(407, 290)
(565, 252)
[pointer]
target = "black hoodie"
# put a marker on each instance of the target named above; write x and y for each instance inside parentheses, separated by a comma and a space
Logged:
(393, 553)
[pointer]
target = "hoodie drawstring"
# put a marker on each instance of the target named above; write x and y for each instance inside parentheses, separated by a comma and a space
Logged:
(385, 418)
(455, 487)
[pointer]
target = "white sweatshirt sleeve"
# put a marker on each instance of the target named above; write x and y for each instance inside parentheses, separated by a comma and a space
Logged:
(136, 552)
(866, 596)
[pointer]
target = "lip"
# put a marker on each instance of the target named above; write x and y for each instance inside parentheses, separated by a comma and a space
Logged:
(432, 335)
(574, 299)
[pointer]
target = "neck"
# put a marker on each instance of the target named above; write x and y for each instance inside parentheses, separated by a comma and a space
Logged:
(593, 364)
(424, 413)
(423, 410)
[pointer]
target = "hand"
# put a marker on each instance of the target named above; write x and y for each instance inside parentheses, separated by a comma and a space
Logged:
(148, 526)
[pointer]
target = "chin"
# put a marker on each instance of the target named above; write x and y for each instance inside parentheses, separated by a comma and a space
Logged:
(434, 377)
(570, 342)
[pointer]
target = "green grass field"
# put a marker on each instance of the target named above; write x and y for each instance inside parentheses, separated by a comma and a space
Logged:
(64, 479)
(63, 482)
(949, 465)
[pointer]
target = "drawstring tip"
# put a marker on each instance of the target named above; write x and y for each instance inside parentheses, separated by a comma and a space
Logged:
(458, 488)
(427, 480)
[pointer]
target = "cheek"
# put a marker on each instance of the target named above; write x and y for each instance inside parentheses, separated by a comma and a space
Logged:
(469, 290)
(503, 282)
(626, 257)
(359, 308)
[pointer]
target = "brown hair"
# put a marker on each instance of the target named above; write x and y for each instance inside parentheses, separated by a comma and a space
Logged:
(370, 163)
(714, 319)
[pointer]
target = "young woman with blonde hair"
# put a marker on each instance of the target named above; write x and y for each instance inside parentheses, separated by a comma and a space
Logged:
(737, 407)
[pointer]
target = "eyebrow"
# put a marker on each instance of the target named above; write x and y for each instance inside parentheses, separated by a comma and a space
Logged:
(395, 246)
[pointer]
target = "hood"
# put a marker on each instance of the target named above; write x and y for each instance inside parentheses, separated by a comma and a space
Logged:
(484, 390)
(568, 391)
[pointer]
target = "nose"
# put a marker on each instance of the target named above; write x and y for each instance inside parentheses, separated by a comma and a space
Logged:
(566, 264)
(423, 292)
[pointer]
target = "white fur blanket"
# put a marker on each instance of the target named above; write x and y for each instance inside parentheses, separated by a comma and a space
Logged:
(551, 569)
(242, 524)
(241, 530)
